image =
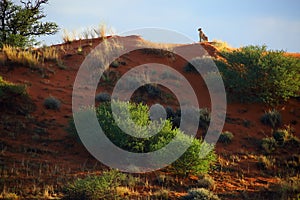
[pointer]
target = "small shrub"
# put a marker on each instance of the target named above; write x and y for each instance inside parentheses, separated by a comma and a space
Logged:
(272, 118)
(170, 112)
(287, 189)
(157, 52)
(14, 98)
(52, 103)
(109, 77)
(204, 62)
(226, 137)
(161, 194)
(61, 65)
(200, 194)
(190, 162)
(286, 137)
(123, 191)
(206, 182)
(7, 89)
(80, 50)
(294, 140)
(204, 119)
(168, 75)
(152, 90)
(214, 81)
(281, 136)
(103, 97)
(115, 64)
(268, 144)
(265, 163)
(95, 187)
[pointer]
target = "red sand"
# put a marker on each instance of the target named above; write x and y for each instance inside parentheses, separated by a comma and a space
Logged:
(57, 150)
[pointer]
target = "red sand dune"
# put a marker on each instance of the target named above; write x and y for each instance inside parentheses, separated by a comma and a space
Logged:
(61, 152)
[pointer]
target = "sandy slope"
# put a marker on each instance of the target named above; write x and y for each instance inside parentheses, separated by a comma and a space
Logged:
(40, 151)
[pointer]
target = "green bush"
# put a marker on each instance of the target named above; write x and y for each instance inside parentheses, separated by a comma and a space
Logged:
(281, 136)
(226, 137)
(188, 163)
(52, 103)
(204, 118)
(287, 188)
(285, 137)
(206, 182)
(152, 90)
(115, 64)
(140, 115)
(204, 62)
(265, 163)
(8, 89)
(268, 144)
(272, 118)
(103, 97)
(255, 74)
(95, 187)
(161, 194)
(200, 194)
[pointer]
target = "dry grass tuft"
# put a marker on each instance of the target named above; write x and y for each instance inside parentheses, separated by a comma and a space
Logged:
(154, 45)
(221, 45)
(50, 53)
(19, 56)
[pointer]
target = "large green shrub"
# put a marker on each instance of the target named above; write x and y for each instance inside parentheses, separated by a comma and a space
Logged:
(139, 114)
(189, 163)
(255, 74)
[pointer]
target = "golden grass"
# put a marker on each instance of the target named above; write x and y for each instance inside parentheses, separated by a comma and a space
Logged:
(102, 30)
(125, 191)
(11, 196)
(50, 53)
(68, 37)
(29, 58)
(221, 45)
(111, 47)
(154, 45)
(23, 57)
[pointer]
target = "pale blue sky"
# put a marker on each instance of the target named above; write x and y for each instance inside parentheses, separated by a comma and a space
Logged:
(275, 23)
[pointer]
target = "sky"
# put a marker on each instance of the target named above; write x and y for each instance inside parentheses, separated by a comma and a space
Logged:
(275, 23)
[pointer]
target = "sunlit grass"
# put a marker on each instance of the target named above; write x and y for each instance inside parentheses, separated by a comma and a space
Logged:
(50, 53)
(23, 57)
(221, 45)
(154, 45)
